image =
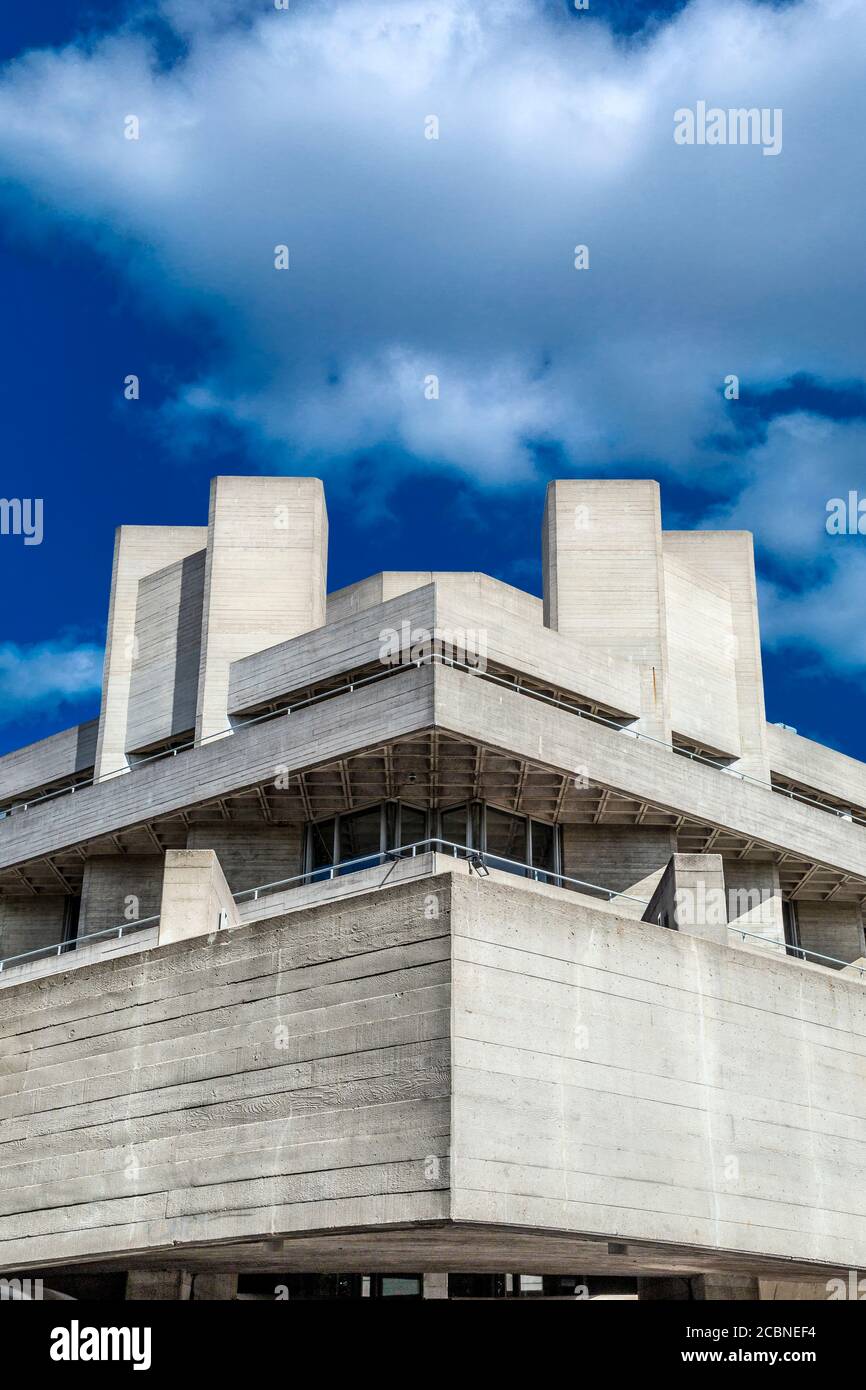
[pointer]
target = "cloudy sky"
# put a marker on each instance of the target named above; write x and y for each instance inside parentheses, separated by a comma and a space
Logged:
(412, 257)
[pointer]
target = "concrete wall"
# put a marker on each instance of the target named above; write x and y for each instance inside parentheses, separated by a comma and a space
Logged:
(644, 1084)
(106, 948)
(815, 766)
(251, 855)
(265, 578)
(831, 929)
(52, 759)
(755, 899)
(168, 616)
(604, 580)
(630, 859)
(287, 1076)
(26, 923)
(138, 552)
(379, 588)
(296, 1076)
(110, 881)
(355, 641)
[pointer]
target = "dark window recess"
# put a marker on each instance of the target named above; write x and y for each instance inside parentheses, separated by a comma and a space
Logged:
(361, 839)
(454, 825)
(476, 1285)
(505, 840)
(413, 825)
(791, 925)
(320, 847)
(545, 842)
(71, 915)
(300, 1286)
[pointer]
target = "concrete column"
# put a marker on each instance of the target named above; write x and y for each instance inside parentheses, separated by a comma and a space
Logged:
(755, 902)
(727, 1287)
(435, 1285)
(215, 1287)
(691, 897)
(265, 578)
(138, 551)
(728, 556)
(604, 580)
(158, 1285)
(194, 894)
(832, 929)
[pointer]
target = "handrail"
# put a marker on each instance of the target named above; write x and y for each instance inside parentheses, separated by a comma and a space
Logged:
(434, 658)
(477, 858)
(328, 871)
(59, 948)
(790, 949)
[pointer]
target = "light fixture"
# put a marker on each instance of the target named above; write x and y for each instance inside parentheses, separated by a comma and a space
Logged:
(477, 864)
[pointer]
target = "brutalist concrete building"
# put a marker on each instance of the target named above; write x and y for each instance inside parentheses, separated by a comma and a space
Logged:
(429, 938)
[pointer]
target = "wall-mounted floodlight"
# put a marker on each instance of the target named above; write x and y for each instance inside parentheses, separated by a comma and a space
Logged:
(477, 864)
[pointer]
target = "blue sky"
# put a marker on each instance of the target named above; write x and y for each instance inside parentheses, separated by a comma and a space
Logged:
(411, 257)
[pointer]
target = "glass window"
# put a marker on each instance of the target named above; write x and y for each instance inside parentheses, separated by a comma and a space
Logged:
(413, 825)
(320, 840)
(543, 852)
(397, 1286)
(453, 824)
(505, 840)
(361, 838)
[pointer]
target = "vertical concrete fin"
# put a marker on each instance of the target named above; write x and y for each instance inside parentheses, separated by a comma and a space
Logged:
(138, 552)
(728, 557)
(265, 578)
(604, 579)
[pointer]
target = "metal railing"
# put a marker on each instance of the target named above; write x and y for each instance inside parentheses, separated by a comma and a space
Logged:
(477, 858)
(481, 861)
(62, 948)
(436, 658)
(800, 951)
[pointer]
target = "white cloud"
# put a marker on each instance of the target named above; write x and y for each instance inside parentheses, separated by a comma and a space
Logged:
(44, 676)
(790, 477)
(454, 257)
(411, 256)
